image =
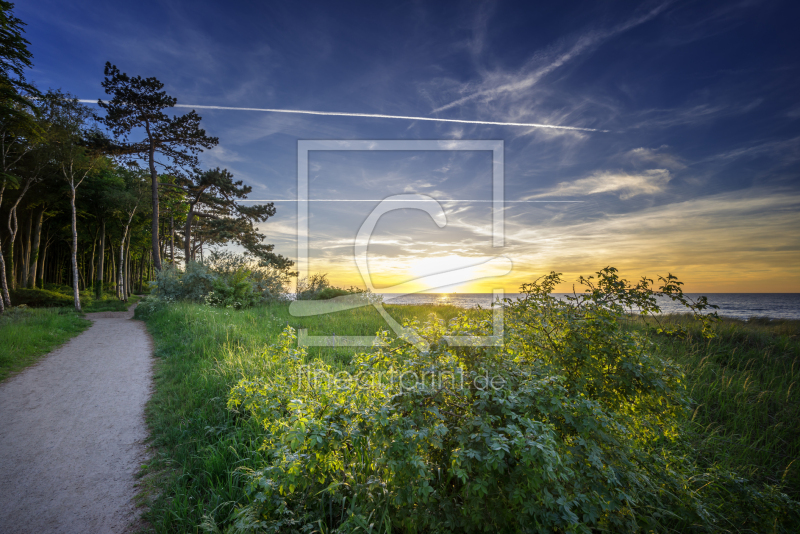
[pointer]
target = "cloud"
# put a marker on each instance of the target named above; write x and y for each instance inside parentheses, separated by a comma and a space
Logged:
(657, 156)
(748, 240)
(496, 84)
(626, 185)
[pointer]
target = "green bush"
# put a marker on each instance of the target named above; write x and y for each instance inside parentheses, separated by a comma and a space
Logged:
(572, 425)
(317, 287)
(226, 280)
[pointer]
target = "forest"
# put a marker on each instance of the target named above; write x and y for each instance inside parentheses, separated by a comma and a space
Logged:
(95, 200)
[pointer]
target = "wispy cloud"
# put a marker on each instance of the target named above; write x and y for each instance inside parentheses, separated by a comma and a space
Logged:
(658, 156)
(626, 185)
(496, 84)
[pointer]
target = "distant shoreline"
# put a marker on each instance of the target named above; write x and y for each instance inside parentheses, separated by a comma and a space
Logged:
(742, 306)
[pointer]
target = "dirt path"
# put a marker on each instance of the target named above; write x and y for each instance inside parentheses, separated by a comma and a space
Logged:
(72, 430)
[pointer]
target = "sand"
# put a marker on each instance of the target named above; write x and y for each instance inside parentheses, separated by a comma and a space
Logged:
(72, 432)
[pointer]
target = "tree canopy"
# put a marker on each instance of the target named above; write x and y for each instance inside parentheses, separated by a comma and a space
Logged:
(139, 103)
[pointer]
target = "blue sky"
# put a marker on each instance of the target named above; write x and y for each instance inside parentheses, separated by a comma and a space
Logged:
(698, 173)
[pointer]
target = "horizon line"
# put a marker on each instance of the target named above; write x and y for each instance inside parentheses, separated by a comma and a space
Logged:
(397, 200)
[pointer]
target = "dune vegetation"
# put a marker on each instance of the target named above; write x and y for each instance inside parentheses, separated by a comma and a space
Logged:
(605, 420)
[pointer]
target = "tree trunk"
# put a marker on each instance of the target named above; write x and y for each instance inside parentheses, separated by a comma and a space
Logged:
(37, 239)
(44, 256)
(120, 284)
(12, 217)
(75, 291)
(141, 275)
(26, 252)
(90, 267)
(172, 240)
(113, 273)
(6, 299)
(127, 272)
(187, 236)
(82, 271)
(12, 232)
(98, 285)
(154, 186)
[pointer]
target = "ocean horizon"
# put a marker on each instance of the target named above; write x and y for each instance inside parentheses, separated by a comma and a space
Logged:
(734, 305)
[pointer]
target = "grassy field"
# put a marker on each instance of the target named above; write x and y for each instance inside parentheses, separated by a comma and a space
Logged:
(28, 334)
(746, 412)
(743, 384)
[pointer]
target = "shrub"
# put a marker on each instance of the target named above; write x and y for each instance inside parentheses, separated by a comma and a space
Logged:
(226, 280)
(572, 425)
(317, 287)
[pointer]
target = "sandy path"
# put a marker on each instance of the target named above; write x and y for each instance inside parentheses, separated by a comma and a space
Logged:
(72, 430)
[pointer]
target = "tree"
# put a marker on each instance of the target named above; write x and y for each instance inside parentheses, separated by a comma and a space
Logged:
(128, 201)
(140, 103)
(15, 91)
(74, 158)
(15, 105)
(212, 195)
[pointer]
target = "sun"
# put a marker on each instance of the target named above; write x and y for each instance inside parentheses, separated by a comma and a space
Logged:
(437, 272)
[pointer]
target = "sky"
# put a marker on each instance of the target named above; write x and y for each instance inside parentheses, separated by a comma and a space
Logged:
(676, 139)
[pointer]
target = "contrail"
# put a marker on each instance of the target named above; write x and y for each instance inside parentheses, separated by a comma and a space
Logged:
(380, 116)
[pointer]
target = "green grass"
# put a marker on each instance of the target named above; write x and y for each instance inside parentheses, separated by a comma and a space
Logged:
(743, 381)
(28, 334)
(61, 297)
(200, 444)
(746, 413)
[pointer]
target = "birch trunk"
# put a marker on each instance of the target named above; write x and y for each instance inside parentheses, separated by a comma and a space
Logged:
(113, 273)
(44, 257)
(120, 282)
(12, 230)
(6, 299)
(75, 291)
(26, 252)
(91, 262)
(37, 240)
(98, 286)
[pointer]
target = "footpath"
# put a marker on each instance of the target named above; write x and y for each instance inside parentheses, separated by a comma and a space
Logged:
(72, 432)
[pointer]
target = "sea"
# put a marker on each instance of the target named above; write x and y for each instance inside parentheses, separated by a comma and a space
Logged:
(735, 305)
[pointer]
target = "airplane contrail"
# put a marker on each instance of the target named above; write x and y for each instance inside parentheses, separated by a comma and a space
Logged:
(381, 116)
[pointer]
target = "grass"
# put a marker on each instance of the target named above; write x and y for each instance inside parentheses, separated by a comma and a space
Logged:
(199, 443)
(28, 334)
(743, 382)
(61, 297)
(746, 413)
